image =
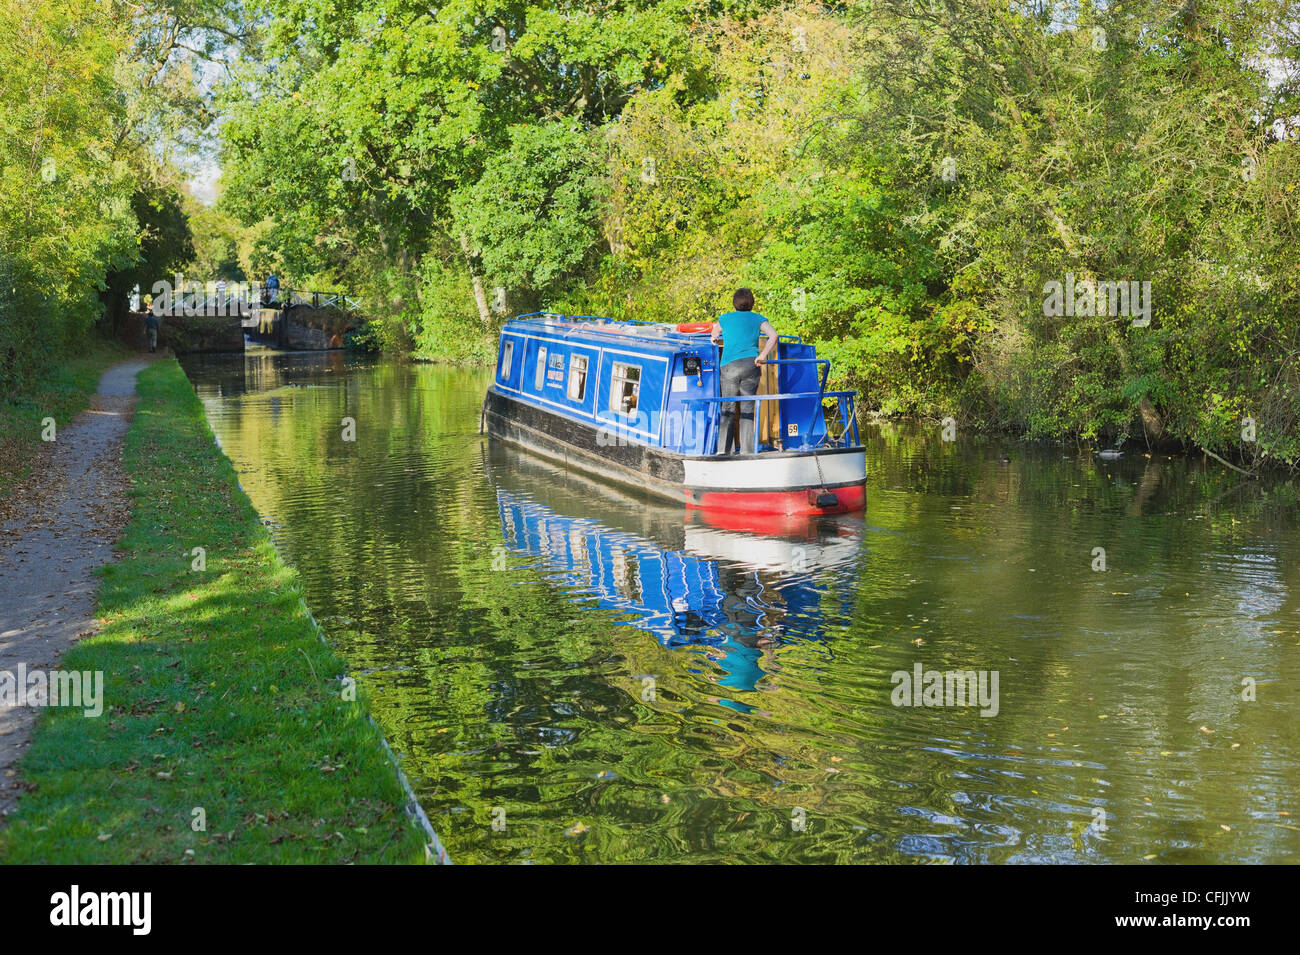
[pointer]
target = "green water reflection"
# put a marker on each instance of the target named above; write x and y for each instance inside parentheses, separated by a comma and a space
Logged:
(572, 673)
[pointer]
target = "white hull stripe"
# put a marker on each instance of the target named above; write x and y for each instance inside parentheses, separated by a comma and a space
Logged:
(777, 472)
(771, 553)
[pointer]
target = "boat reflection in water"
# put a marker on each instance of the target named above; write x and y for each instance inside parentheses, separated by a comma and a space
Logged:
(736, 586)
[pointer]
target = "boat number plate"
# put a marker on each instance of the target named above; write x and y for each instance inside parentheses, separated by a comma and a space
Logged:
(792, 430)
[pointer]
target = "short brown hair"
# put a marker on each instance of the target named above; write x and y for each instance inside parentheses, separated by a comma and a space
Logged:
(743, 300)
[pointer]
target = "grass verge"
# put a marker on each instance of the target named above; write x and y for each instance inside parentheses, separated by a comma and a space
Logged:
(220, 702)
(61, 393)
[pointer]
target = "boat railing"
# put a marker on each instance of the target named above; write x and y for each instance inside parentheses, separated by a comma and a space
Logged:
(606, 318)
(587, 318)
(845, 404)
(541, 315)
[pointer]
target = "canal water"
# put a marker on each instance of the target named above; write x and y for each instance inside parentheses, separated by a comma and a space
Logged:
(571, 672)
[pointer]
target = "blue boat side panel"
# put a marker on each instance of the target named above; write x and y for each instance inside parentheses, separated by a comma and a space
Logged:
(644, 364)
(642, 425)
(548, 372)
(805, 414)
(689, 429)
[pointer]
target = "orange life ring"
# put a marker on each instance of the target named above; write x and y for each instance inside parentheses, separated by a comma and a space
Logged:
(695, 328)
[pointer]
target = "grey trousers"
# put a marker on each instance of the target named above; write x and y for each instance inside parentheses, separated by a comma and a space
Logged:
(739, 377)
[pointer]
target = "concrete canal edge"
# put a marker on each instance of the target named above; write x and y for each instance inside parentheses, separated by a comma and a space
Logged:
(435, 851)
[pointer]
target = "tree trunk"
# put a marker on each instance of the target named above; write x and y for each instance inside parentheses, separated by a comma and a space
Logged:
(1153, 424)
(480, 297)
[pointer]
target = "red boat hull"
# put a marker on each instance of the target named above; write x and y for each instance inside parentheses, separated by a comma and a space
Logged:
(800, 502)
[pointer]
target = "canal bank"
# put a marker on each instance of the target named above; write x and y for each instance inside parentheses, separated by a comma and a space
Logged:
(227, 731)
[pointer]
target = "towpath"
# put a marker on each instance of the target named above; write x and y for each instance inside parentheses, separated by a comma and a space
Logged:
(56, 530)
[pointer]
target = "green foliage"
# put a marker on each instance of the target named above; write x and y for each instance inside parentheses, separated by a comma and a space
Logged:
(445, 324)
(65, 215)
(216, 238)
(95, 95)
(839, 269)
(1107, 145)
(533, 215)
(373, 134)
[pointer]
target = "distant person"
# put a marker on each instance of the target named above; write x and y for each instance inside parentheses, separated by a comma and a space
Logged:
(221, 296)
(741, 365)
(151, 326)
(272, 289)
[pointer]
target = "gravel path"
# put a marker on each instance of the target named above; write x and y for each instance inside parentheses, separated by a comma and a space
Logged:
(55, 531)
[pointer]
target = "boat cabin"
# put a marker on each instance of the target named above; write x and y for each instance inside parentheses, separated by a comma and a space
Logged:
(658, 384)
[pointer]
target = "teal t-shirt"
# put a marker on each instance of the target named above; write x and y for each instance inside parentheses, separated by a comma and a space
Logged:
(740, 331)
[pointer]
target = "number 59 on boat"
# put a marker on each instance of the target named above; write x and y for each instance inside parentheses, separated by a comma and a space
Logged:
(639, 403)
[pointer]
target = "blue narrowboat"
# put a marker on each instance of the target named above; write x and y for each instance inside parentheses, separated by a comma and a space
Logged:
(639, 403)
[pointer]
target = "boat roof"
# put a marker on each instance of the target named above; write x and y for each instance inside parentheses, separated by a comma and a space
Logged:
(557, 325)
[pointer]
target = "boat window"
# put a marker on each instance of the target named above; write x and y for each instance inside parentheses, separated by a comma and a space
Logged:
(625, 388)
(578, 378)
(541, 368)
(507, 358)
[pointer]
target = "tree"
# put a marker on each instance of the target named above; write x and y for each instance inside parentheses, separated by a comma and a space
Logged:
(165, 245)
(65, 214)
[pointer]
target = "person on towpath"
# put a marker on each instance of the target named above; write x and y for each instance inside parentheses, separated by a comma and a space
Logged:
(151, 326)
